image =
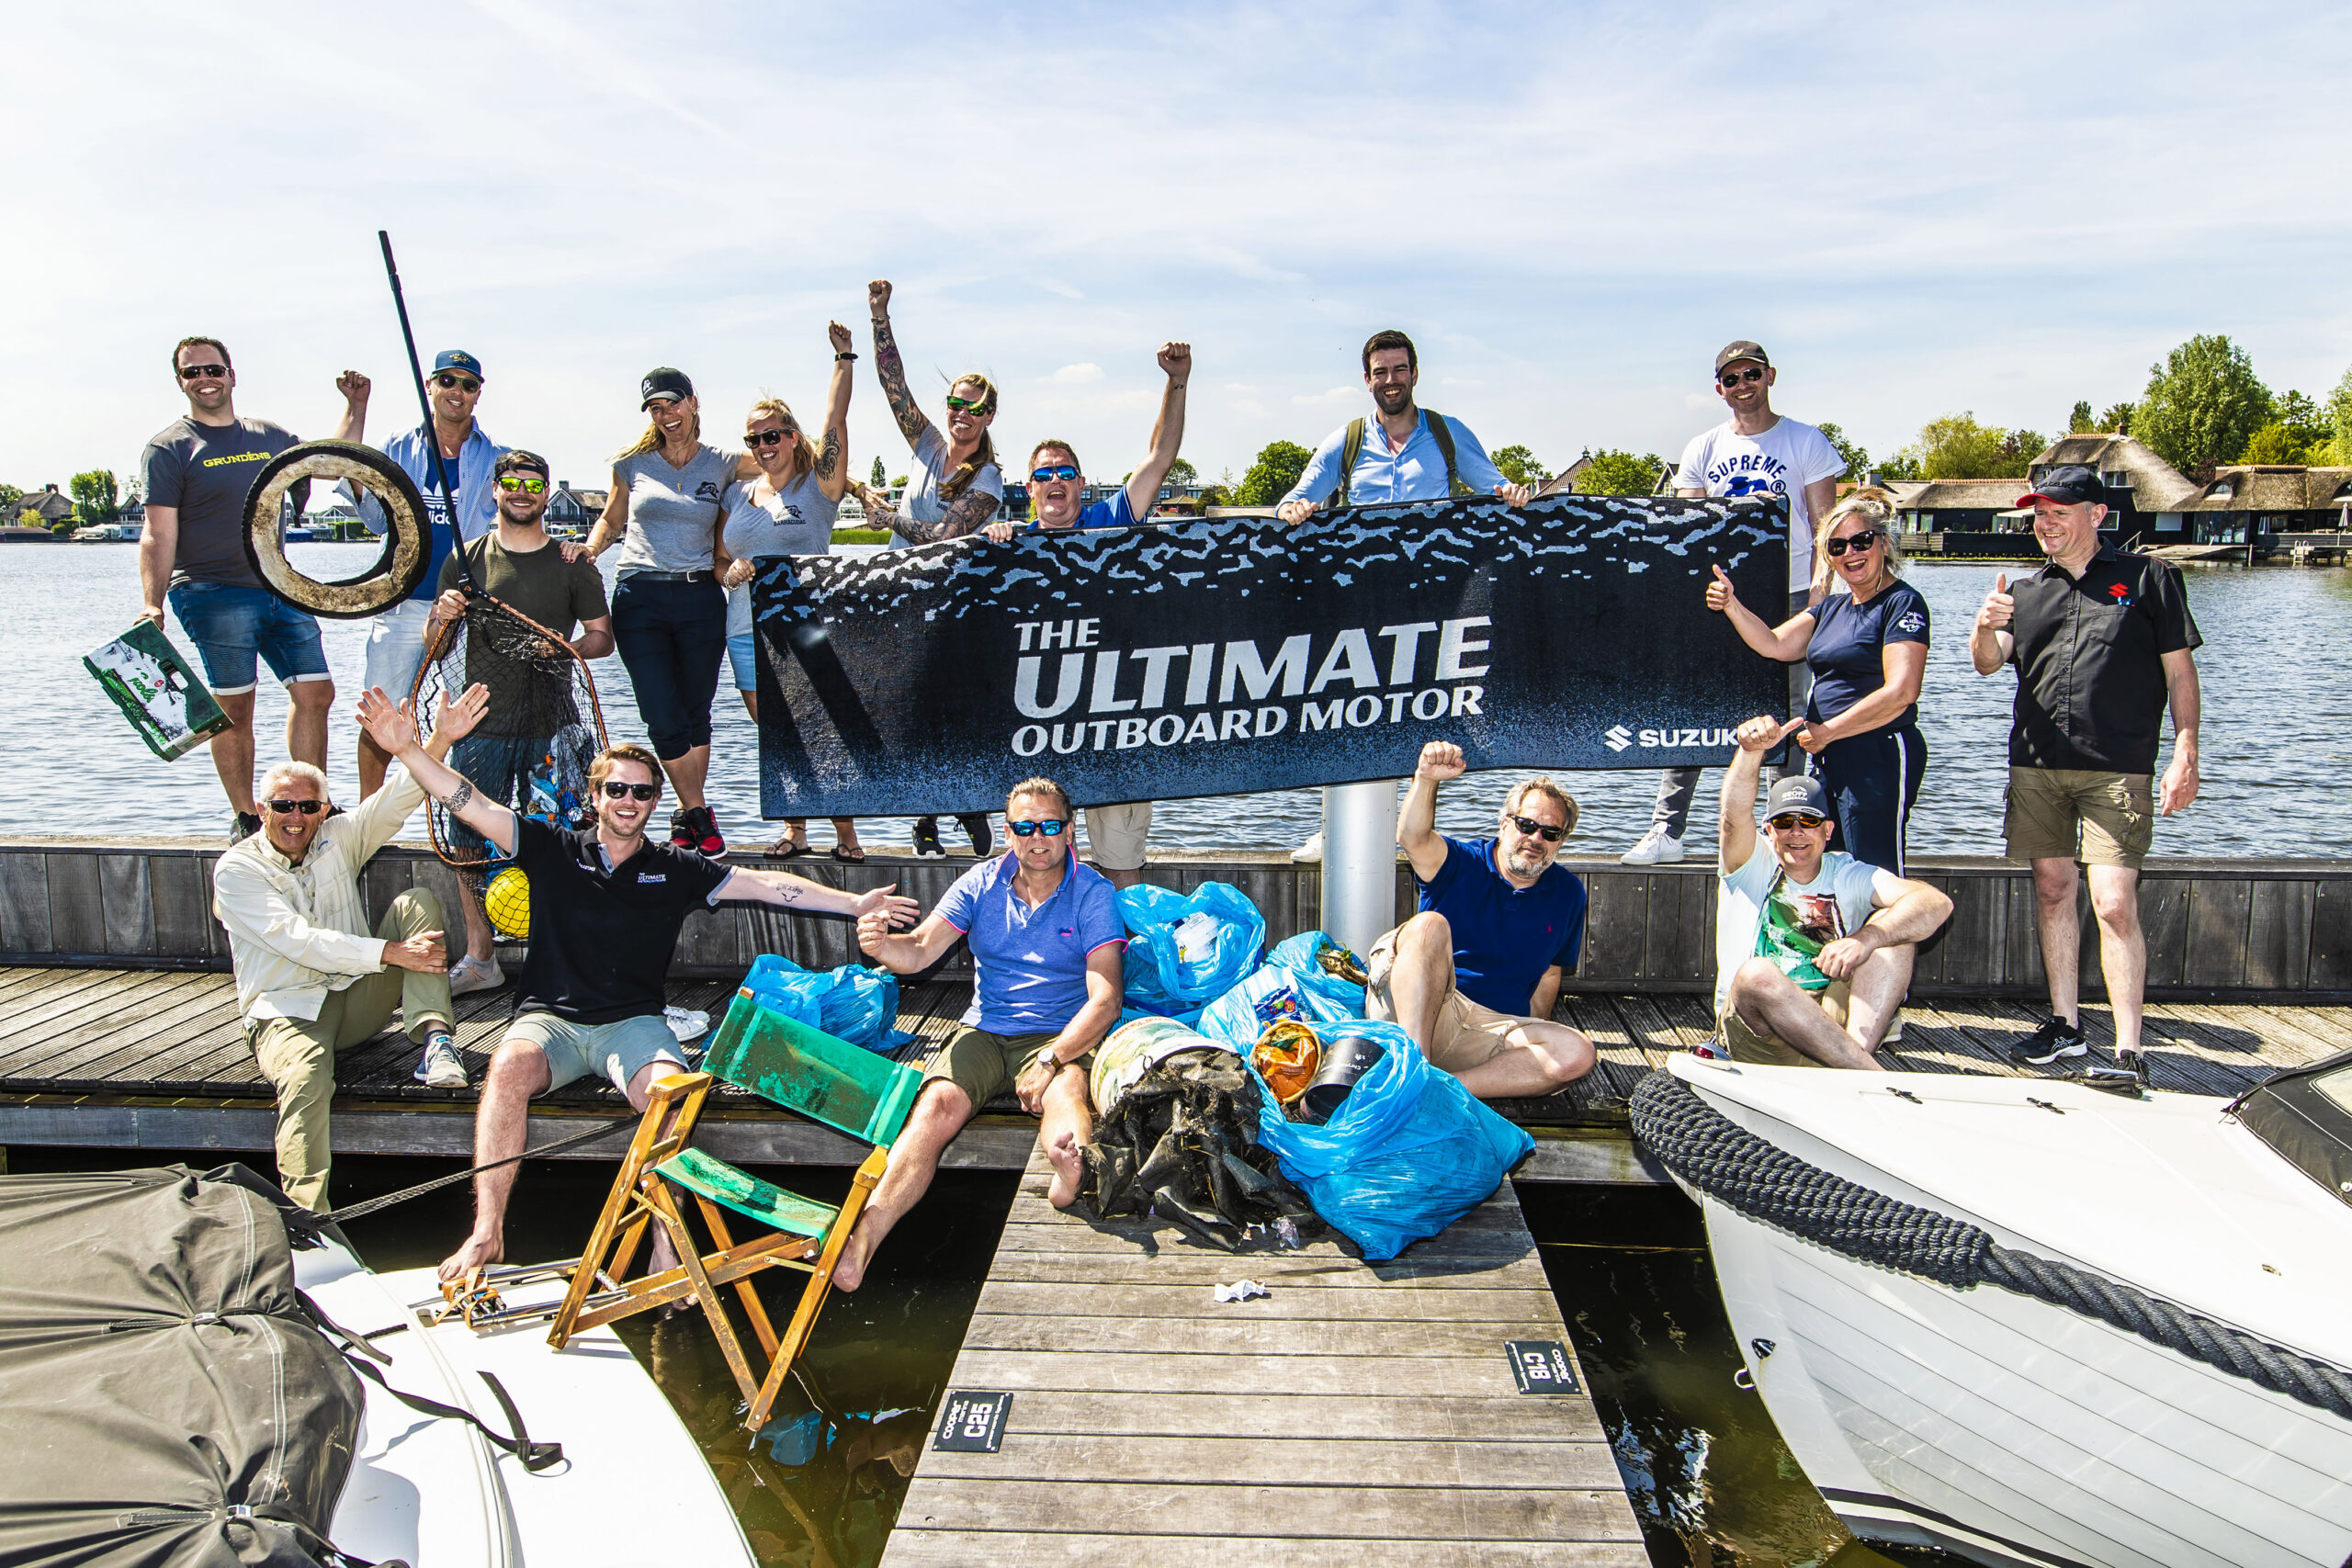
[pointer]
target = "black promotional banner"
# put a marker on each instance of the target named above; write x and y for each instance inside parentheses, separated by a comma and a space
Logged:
(1224, 655)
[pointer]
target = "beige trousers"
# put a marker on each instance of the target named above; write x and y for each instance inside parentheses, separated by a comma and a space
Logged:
(298, 1055)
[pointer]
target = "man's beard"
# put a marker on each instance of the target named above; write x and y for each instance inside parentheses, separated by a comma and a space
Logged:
(1392, 399)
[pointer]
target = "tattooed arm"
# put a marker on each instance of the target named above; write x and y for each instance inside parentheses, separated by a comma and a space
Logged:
(830, 463)
(972, 511)
(787, 891)
(891, 367)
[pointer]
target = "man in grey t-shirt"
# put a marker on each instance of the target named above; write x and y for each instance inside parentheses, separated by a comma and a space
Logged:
(197, 472)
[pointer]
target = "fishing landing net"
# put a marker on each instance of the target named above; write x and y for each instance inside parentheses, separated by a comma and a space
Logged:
(540, 691)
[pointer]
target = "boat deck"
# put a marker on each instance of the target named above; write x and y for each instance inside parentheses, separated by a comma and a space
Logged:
(154, 1058)
(1361, 1415)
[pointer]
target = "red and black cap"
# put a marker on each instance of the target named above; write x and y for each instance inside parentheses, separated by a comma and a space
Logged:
(2069, 485)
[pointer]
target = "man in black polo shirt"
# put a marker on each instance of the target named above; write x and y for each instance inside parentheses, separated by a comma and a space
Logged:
(606, 907)
(2101, 639)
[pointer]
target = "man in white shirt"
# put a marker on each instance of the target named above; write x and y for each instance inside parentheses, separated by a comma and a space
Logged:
(311, 978)
(1812, 949)
(1755, 452)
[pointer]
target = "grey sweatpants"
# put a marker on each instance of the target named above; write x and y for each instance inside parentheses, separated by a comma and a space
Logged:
(1676, 787)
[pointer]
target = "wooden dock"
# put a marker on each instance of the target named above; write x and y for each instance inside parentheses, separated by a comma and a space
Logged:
(1363, 1415)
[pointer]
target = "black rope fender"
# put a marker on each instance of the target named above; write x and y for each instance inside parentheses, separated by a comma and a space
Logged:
(1767, 1183)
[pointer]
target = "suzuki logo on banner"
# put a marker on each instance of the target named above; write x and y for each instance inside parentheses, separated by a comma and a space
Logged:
(1617, 738)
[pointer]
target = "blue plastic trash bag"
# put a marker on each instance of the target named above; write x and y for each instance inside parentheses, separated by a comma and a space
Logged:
(1273, 994)
(852, 1003)
(1409, 1152)
(1299, 954)
(1183, 952)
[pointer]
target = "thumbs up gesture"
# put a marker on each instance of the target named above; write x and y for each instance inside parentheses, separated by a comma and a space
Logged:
(1721, 595)
(1998, 607)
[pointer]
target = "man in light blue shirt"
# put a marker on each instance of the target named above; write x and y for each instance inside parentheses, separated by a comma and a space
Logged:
(1408, 454)
(396, 638)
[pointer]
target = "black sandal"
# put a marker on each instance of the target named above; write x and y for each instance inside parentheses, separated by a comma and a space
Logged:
(785, 848)
(850, 855)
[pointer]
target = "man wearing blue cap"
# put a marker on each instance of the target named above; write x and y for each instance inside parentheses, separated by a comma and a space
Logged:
(396, 638)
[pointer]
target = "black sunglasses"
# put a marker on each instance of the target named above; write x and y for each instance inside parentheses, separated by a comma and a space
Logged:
(1733, 379)
(286, 808)
(1544, 831)
(1862, 541)
(444, 381)
(199, 372)
(1052, 829)
(765, 437)
(615, 790)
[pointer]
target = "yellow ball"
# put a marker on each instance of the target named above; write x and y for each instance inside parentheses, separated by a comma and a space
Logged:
(508, 901)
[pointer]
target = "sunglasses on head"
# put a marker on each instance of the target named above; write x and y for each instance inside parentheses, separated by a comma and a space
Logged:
(1057, 472)
(1734, 377)
(765, 437)
(1790, 821)
(1544, 831)
(615, 790)
(288, 808)
(967, 405)
(199, 372)
(446, 380)
(517, 481)
(1861, 542)
(1052, 829)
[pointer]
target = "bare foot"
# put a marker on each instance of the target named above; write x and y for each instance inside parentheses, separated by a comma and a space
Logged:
(1069, 1160)
(849, 1269)
(479, 1251)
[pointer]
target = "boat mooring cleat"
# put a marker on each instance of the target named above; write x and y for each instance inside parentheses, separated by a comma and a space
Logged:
(2128, 1077)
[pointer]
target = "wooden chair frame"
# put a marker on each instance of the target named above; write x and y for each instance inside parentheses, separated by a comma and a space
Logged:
(641, 1198)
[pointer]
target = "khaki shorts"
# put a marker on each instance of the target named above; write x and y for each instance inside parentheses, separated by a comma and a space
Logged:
(1115, 834)
(1750, 1045)
(618, 1051)
(2073, 813)
(984, 1065)
(1468, 1034)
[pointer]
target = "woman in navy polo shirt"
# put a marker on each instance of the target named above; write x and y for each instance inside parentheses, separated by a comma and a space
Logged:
(1868, 650)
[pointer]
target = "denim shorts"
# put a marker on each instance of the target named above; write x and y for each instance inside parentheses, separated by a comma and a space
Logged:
(618, 1051)
(743, 653)
(230, 625)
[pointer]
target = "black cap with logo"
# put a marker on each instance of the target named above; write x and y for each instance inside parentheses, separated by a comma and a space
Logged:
(663, 386)
(2069, 485)
(1743, 349)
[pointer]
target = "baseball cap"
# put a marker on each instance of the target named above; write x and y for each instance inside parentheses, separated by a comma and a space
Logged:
(2070, 485)
(1743, 349)
(516, 458)
(458, 359)
(1800, 794)
(664, 385)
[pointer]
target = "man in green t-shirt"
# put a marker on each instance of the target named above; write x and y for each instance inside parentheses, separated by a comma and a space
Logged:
(556, 585)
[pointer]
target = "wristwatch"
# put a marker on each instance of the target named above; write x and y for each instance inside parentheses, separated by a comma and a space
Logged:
(1049, 1059)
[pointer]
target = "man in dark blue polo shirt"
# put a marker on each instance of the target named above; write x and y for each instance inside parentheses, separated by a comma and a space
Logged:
(1473, 977)
(2103, 644)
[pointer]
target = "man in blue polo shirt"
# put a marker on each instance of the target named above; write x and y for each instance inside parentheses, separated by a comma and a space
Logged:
(1116, 832)
(1047, 943)
(1474, 976)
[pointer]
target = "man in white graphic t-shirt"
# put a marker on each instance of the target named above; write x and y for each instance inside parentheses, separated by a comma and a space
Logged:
(1755, 452)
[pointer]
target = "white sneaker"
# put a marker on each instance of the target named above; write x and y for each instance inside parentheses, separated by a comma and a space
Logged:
(475, 975)
(1657, 848)
(1311, 851)
(441, 1067)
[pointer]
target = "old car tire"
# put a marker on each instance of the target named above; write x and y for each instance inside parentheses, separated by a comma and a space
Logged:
(407, 537)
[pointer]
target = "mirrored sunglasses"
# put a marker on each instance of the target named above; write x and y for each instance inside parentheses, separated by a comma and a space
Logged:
(1058, 471)
(967, 405)
(1790, 821)
(1052, 829)
(529, 486)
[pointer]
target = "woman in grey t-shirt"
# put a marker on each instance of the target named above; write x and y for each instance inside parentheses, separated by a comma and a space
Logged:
(955, 489)
(787, 511)
(668, 612)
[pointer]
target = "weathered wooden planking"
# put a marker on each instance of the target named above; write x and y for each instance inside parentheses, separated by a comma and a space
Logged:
(1243, 1461)
(1145, 1511)
(1302, 1303)
(1075, 1550)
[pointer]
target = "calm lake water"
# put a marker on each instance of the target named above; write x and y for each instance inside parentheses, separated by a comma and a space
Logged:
(1711, 1481)
(2276, 669)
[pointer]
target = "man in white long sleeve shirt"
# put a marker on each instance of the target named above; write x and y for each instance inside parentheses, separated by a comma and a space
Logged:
(311, 978)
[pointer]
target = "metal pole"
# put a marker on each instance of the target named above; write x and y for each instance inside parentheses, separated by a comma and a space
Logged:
(1359, 862)
(431, 442)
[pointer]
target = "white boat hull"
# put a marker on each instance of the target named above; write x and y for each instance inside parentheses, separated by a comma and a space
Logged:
(632, 1492)
(1998, 1426)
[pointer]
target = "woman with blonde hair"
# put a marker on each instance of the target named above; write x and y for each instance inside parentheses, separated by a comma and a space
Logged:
(1867, 648)
(953, 490)
(787, 510)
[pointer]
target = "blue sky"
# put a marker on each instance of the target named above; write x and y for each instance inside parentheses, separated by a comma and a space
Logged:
(1571, 207)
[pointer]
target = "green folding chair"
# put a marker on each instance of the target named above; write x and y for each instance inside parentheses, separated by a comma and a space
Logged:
(781, 1059)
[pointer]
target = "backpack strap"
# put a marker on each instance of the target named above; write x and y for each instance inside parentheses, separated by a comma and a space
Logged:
(1350, 449)
(1442, 433)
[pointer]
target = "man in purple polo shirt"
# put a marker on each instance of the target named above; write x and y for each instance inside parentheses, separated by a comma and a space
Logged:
(1473, 977)
(1047, 943)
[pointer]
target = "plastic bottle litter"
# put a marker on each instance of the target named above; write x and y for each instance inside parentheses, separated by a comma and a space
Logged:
(1241, 1291)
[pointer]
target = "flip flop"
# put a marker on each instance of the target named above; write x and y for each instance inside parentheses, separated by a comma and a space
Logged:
(785, 848)
(853, 855)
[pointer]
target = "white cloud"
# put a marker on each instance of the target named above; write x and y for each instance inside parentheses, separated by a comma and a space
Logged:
(1317, 400)
(1078, 375)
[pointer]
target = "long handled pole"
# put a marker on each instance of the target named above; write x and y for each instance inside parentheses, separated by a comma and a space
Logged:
(431, 442)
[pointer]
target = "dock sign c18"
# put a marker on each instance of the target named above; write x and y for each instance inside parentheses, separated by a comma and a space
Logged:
(971, 1423)
(1542, 1366)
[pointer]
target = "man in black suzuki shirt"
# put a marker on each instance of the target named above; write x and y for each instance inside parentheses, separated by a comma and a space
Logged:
(2102, 643)
(607, 907)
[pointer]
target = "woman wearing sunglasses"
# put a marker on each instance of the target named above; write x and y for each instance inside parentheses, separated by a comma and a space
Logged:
(667, 506)
(1867, 648)
(953, 489)
(788, 510)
